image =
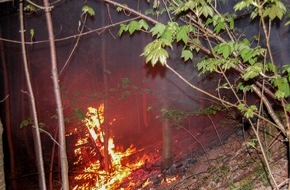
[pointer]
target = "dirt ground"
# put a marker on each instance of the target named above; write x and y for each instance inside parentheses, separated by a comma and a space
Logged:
(234, 166)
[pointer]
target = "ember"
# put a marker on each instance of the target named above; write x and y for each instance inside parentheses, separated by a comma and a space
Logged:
(94, 175)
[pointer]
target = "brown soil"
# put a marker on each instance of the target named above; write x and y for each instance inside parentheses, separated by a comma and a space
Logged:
(234, 166)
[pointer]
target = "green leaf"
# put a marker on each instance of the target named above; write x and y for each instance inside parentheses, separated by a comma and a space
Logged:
(250, 111)
(89, 10)
(133, 26)
(29, 8)
(279, 94)
(186, 55)
(252, 71)
(275, 10)
(246, 54)
(287, 107)
(123, 28)
(155, 52)
(283, 87)
(167, 36)
(209, 65)
(32, 32)
(230, 63)
(182, 34)
(244, 88)
(143, 24)
(158, 30)
(220, 26)
(242, 5)
(207, 11)
(224, 49)
(242, 107)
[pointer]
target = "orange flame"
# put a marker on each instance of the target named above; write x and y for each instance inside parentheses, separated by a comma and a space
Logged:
(94, 176)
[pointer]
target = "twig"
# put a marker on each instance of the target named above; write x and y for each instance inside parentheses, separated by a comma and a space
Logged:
(39, 6)
(203, 148)
(51, 137)
(75, 46)
(4, 98)
(73, 36)
(215, 129)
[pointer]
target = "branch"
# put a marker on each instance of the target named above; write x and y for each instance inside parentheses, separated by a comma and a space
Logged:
(73, 36)
(39, 6)
(75, 46)
(132, 11)
(4, 98)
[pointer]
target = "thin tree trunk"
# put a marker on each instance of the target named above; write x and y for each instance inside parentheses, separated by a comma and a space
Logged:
(2, 173)
(52, 162)
(167, 155)
(105, 124)
(7, 116)
(37, 139)
(54, 72)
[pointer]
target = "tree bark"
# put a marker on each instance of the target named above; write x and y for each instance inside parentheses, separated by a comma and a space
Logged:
(2, 173)
(36, 135)
(105, 124)
(54, 72)
(167, 155)
(7, 116)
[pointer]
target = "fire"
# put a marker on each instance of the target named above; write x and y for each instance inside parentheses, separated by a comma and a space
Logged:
(94, 175)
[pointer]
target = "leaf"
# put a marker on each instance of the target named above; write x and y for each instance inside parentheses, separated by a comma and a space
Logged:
(230, 63)
(186, 55)
(244, 88)
(283, 87)
(207, 10)
(224, 49)
(182, 34)
(167, 36)
(155, 52)
(89, 10)
(143, 24)
(29, 8)
(32, 32)
(158, 30)
(242, 5)
(119, 9)
(232, 23)
(133, 26)
(252, 71)
(275, 10)
(287, 107)
(123, 28)
(279, 94)
(250, 111)
(241, 107)
(220, 26)
(26, 122)
(246, 54)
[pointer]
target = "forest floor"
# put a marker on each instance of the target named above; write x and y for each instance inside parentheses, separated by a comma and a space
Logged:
(233, 166)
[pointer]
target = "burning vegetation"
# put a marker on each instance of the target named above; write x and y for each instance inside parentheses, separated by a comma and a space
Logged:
(98, 172)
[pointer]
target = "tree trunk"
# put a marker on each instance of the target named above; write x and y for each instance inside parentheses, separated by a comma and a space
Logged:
(36, 135)
(2, 173)
(167, 155)
(54, 72)
(105, 124)
(7, 115)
